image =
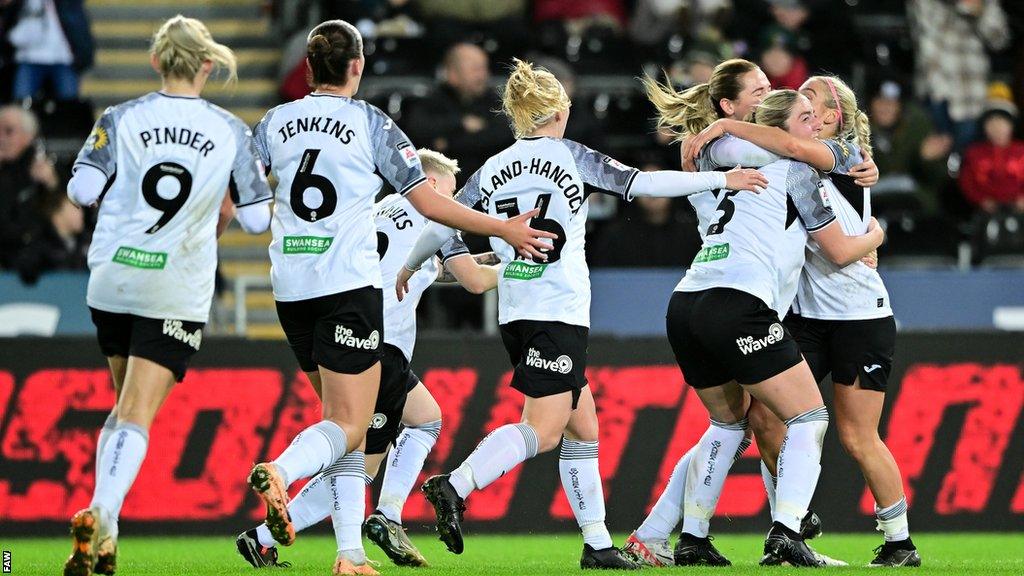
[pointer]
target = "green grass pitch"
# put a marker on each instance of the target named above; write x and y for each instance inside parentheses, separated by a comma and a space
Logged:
(556, 554)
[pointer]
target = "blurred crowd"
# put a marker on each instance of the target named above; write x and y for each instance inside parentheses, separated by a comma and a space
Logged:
(942, 80)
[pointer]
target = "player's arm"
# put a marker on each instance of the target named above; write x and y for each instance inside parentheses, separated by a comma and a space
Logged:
(248, 188)
(773, 139)
(724, 152)
(96, 163)
(227, 213)
(803, 187)
(844, 250)
(608, 174)
(476, 273)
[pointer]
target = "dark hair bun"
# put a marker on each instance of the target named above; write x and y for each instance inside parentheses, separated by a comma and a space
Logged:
(331, 46)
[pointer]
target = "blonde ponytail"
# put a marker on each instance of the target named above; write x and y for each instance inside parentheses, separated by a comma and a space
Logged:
(682, 113)
(532, 97)
(853, 124)
(182, 45)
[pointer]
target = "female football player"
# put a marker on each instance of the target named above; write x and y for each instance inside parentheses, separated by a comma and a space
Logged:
(723, 323)
(842, 316)
(329, 153)
(159, 167)
(544, 306)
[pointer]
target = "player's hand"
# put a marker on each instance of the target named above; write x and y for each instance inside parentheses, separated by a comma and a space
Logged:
(871, 260)
(865, 174)
(745, 179)
(402, 282)
(692, 146)
(527, 241)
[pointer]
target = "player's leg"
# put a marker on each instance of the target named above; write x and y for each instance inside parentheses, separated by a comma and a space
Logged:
(346, 482)
(393, 404)
(863, 352)
(154, 363)
(349, 378)
(422, 420)
(793, 396)
(549, 386)
(581, 480)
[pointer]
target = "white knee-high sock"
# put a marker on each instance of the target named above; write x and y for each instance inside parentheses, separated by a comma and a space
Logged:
(108, 525)
(405, 461)
(502, 450)
(347, 481)
(799, 466)
(314, 449)
(769, 486)
(713, 456)
(668, 510)
(581, 480)
(892, 521)
(120, 461)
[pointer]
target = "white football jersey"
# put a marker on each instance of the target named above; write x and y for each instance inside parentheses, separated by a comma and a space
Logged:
(747, 238)
(169, 161)
(549, 174)
(398, 227)
(854, 292)
(330, 155)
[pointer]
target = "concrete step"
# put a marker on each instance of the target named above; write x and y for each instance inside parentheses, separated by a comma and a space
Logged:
(124, 64)
(251, 93)
(106, 11)
(265, 331)
(221, 28)
(237, 238)
(235, 268)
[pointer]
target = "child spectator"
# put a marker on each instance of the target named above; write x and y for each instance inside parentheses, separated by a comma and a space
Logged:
(992, 174)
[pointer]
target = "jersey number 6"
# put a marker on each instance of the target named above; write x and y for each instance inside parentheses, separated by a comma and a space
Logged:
(305, 179)
(169, 206)
(510, 208)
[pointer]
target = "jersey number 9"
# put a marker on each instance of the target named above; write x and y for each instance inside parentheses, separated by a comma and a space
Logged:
(169, 206)
(305, 179)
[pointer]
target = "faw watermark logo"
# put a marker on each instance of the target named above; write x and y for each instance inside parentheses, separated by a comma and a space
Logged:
(345, 337)
(176, 329)
(560, 365)
(749, 344)
(378, 421)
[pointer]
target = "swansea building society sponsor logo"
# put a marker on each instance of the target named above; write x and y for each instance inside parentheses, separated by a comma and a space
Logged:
(560, 365)
(749, 344)
(345, 337)
(176, 329)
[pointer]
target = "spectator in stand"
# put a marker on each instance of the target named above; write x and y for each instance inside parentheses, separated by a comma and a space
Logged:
(911, 157)
(582, 14)
(654, 21)
(992, 173)
(784, 67)
(55, 242)
(52, 46)
(952, 66)
(502, 26)
(458, 118)
(658, 237)
(26, 175)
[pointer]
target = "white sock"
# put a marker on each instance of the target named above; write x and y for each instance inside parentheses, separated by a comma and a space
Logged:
(769, 486)
(405, 461)
(314, 449)
(799, 466)
(892, 521)
(581, 480)
(108, 525)
(668, 510)
(347, 484)
(502, 450)
(122, 457)
(712, 458)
